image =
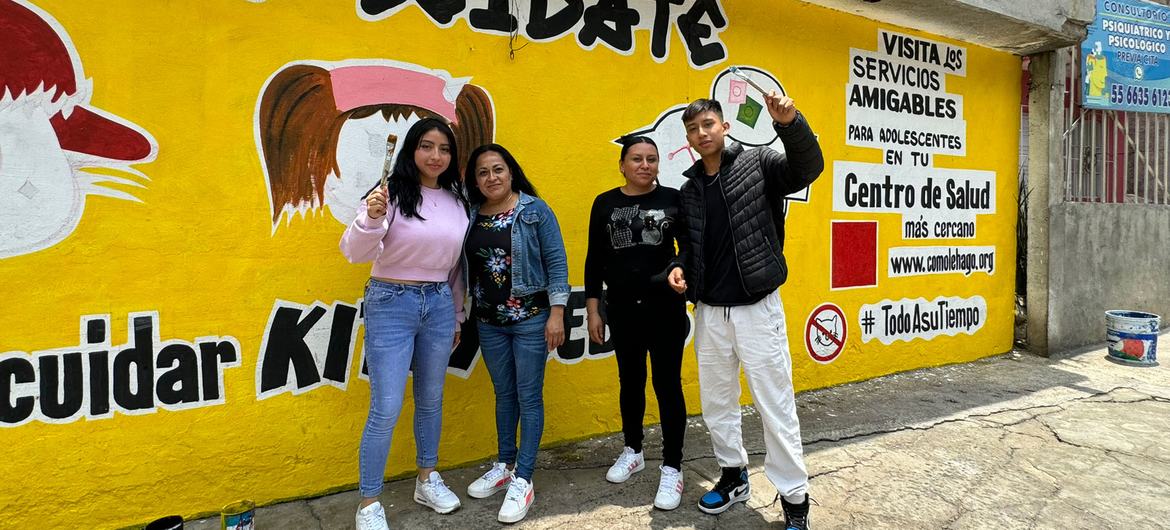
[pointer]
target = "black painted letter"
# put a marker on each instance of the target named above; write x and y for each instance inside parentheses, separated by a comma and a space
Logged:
(15, 370)
(286, 345)
(136, 362)
(495, 18)
(182, 371)
(542, 26)
(661, 35)
(211, 355)
(61, 396)
(443, 11)
(694, 31)
(621, 35)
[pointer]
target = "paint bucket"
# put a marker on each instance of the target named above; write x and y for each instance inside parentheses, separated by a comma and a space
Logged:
(1132, 337)
(238, 516)
(170, 522)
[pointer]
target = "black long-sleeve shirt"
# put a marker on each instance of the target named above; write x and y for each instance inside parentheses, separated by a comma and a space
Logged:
(631, 240)
(723, 285)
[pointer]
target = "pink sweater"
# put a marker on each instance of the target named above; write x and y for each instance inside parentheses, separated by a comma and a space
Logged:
(412, 249)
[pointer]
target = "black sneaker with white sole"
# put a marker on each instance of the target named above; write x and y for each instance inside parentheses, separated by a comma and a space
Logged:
(732, 487)
(795, 515)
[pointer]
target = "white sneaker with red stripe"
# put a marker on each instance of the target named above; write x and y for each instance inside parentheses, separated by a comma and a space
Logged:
(495, 480)
(517, 501)
(670, 488)
(626, 465)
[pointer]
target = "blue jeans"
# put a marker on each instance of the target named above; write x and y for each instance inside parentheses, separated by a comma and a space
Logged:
(515, 357)
(408, 328)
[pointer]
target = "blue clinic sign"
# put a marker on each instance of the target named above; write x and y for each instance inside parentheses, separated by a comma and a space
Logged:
(1126, 57)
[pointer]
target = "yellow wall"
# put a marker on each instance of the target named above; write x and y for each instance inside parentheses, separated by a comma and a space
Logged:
(201, 251)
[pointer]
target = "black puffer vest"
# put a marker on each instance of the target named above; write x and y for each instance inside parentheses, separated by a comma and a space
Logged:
(755, 183)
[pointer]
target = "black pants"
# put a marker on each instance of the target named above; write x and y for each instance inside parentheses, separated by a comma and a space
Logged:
(659, 325)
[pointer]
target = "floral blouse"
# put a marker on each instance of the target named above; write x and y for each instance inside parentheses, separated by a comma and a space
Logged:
(489, 254)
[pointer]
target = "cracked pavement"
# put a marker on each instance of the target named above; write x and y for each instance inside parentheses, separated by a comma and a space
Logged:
(1014, 441)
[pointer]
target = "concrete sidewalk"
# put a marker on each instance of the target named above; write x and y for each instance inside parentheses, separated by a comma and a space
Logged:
(1014, 441)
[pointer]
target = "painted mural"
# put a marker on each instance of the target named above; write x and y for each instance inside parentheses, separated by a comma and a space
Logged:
(741, 109)
(321, 128)
(613, 24)
(203, 335)
(51, 136)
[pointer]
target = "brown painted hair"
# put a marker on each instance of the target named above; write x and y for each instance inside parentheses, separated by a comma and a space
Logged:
(299, 126)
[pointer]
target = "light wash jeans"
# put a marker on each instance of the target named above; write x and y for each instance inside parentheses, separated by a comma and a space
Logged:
(409, 328)
(515, 356)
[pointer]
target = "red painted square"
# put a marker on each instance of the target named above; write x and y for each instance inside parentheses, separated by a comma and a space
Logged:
(854, 254)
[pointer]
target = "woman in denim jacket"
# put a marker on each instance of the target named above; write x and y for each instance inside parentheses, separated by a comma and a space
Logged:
(519, 284)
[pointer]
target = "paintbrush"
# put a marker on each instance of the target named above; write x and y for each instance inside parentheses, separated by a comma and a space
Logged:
(735, 70)
(388, 164)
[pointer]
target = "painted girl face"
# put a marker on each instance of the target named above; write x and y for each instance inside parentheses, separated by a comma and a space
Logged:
(361, 155)
(492, 176)
(640, 165)
(433, 155)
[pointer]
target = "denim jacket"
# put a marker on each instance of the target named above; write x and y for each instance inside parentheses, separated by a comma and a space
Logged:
(538, 251)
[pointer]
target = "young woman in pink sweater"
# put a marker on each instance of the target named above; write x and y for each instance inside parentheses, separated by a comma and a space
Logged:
(413, 231)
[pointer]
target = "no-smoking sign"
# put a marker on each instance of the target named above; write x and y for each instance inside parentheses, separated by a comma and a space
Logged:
(825, 333)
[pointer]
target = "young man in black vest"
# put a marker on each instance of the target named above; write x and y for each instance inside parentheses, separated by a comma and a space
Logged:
(733, 201)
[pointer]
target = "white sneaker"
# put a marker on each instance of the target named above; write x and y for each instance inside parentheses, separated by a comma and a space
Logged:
(517, 501)
(670, 488)
(372, 517)
(435, 495)
(495, 480)
(626, 465)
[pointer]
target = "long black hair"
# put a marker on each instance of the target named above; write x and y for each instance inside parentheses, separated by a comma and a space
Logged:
(404, 183)
(519, 181)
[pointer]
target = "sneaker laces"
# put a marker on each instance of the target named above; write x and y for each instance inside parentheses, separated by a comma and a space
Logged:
(435, 488)
(369, 516)
(628, 455)
(669, 481)
(516, 490)
(796, 522)
(497, 472)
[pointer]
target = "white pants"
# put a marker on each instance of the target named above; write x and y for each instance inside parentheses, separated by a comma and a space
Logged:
(754, 335)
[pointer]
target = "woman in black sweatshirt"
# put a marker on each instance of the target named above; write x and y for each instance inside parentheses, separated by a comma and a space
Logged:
(632, 235)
